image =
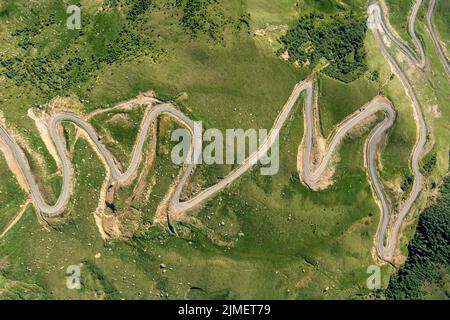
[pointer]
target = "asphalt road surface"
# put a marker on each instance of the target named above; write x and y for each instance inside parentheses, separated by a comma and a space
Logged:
(387, 243)
(386, 237)
(436, 42)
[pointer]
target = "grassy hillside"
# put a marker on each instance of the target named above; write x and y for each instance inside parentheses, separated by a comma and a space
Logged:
(337, 41)
(398, 13)
(11, 195)
(277, 239)
(425, 274)
(441, 18)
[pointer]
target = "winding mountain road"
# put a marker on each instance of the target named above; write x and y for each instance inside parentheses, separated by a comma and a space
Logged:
(386, 246)
(309, 174)
(421, 63)
(66, 167)
(436, 42)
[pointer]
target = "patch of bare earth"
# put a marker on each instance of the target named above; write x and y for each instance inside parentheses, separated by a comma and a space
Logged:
(13, 166)
(164, 212)
(130, 220)
(42, 122)
(191, 189)
(408, 66)
(4, 263)
(16, 219)
(434, 111)
(303, 282)
(182, 97)
(285, 55)
(68, 104)
(107, 224)
(142, 189)
(122, 119)
(270, 28)
(318, 151)
(363, 126)
(99, 212)
(385, 12)
(394, 190)
(146, 99)
(111, 226)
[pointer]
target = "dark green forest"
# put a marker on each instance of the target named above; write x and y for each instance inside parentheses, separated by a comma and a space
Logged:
(338, 38)
(427, 268)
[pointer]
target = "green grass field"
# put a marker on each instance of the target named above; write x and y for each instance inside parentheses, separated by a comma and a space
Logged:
(431, 87)
(398, 16)
(119, 130)
(399, 11)
(11, 195)
(441, 16)
(263, 237)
